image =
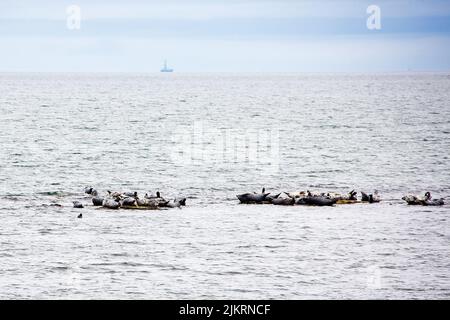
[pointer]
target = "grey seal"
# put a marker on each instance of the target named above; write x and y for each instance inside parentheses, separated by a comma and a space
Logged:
(77, 204)
(111, 203)
(432, 202)
(173, 204)
(151, 196)
(130, 194)
(312, 200)
(412, 200)
(271, 197)
(149, 203)
(253, 197)
(425, 201)
(97, 201)
(283, 201)
(157, 199)
(90, 190)
(371, 198)
(352, 195)
(181, 200)
(114, 194)
(129, 201)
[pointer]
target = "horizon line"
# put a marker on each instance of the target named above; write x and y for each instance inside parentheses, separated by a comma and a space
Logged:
(235, 72)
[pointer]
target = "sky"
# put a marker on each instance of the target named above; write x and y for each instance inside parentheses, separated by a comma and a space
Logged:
(224, 36)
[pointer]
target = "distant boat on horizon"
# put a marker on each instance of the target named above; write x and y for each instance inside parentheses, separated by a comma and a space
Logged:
(165, 68)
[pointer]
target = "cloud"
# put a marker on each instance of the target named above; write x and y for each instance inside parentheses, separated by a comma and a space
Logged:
(217, 9)
(269, 28)
(219, 35)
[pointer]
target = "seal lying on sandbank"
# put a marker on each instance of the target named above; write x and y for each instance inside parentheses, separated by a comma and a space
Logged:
(77, 204)
(412, 200)
(90, 190)
(425, 201)
(253, 197)
(148, 203)
(314, 200)
(432, 202)
(111, 203)
(282, 199)
(114, 194)
(182, 201)
(158, 199)
(129, 202)
(351, 196)
(371, 198)
(130, 194)
(174, 203)
(97, 201)
(152, 196)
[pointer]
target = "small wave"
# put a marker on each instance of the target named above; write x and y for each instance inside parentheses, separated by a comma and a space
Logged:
(45, 231)
(60, 268)
(56, 193)
(13, 197)
(50, 193)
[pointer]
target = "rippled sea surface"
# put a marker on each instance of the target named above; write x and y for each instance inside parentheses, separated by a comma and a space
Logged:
(194, 135)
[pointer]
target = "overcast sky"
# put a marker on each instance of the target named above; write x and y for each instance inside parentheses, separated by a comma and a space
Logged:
(225, 36)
